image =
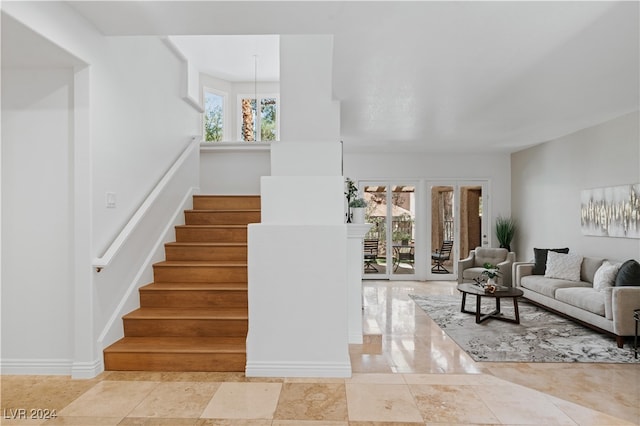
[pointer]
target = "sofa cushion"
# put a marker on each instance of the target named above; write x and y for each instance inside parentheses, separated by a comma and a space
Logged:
(605, 276)
(582, 297)
(563, 266)
(540, 259)
(628, 274)
(548, 286)
(589, 267)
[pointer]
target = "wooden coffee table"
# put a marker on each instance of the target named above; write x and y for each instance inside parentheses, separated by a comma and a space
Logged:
(505, 292)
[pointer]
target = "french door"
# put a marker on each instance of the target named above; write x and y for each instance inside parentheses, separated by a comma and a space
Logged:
(456, 214)
(390, 245)
(422, 228)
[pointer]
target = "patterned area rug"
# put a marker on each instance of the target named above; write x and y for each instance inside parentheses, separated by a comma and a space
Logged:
(541, 336)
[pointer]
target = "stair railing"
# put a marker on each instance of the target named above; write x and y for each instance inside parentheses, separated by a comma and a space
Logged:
(103, 261)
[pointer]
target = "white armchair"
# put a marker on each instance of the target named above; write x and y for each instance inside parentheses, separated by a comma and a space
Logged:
(471, 267)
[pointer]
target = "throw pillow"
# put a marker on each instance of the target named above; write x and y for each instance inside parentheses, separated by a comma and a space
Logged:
(540, 256)
(629, 274)
(605, 276)
(563, 266)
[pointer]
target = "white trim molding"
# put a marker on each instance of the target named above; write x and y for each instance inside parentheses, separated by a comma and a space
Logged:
(297, 369)
(53, 367)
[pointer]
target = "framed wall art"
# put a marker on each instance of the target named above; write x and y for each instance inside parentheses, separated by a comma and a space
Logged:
(611, 212)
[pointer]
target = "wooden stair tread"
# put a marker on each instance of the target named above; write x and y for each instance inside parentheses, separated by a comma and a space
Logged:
(188, 313)
(179, 345)
(202, 263)
(194, 286)
(216, 226)
(205, 244)
(226, 209)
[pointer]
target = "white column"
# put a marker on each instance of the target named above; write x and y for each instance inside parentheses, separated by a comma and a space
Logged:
(355, 266)
(298, 313)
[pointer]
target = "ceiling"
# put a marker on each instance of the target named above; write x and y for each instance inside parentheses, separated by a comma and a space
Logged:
(235, 58)
(431, 76)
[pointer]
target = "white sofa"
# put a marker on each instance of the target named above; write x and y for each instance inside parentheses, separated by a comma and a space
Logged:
(610, 310)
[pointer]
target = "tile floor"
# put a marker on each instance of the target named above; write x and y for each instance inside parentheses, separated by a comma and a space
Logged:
(419, 376)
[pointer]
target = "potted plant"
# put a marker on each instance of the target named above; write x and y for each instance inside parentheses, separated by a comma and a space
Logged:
(357, 207)
(401, 236)
(505, 230)
(491, 272)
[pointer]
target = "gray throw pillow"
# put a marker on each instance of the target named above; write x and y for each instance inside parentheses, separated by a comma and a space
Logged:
(628, 274)
(540, 259)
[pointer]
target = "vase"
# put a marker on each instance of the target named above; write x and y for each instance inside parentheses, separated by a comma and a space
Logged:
(491, 281)
(358, 214)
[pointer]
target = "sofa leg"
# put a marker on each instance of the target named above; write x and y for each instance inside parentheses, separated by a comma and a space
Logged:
(620, 341)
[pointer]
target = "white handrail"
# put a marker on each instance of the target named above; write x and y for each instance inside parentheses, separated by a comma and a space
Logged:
(103, 261)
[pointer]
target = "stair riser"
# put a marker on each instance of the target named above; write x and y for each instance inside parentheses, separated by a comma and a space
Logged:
(200, 274)
(217, 235)
(193, 299)
(221, 218)
(185, 327)
(170, 362)
(206, 253)
(221, 202)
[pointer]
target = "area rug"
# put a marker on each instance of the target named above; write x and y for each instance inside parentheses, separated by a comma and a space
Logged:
(541, 335)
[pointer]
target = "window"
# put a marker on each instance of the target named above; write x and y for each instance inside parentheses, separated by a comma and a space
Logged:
(264, 119)
(214, 117)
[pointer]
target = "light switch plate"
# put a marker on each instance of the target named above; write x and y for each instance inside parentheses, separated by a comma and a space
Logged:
(111, 200)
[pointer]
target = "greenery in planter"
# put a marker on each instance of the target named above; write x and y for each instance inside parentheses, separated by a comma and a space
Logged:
(400, 236)
(505, 230)
(357, 202)
(352, 199)
(352, 190)
(490, 270)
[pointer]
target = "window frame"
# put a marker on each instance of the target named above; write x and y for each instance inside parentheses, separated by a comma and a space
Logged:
(225, 113)
(260, 96)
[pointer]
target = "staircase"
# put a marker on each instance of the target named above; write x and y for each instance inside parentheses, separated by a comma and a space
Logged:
(194, 316)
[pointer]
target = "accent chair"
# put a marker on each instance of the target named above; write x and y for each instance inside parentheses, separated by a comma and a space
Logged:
(471, 267)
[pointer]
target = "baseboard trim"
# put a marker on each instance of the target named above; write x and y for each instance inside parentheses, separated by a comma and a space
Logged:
(87, 370)
(294, 369)
(36, 367)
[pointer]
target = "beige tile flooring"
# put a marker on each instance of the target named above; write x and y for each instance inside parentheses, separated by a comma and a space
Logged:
(418, 377)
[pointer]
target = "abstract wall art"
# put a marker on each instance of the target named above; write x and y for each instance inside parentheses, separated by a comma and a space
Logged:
(611, 212)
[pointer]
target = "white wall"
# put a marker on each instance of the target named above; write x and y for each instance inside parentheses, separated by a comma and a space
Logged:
(139, 126)
(288, 336)
(233, 170)
(547, 180)
(132, 124)
(37, 284)
(308, 111)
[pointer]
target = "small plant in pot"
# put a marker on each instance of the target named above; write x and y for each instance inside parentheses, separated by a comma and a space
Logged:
(357, 207)
(401, 236)
(505, 230)
(492, 272)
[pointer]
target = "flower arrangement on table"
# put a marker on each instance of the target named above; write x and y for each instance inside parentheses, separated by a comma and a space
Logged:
(491, 272)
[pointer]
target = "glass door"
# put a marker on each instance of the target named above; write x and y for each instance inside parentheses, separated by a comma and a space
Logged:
(403, 231)
(376, 241)
(390, 244)
(442, 266)
(456, 224)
